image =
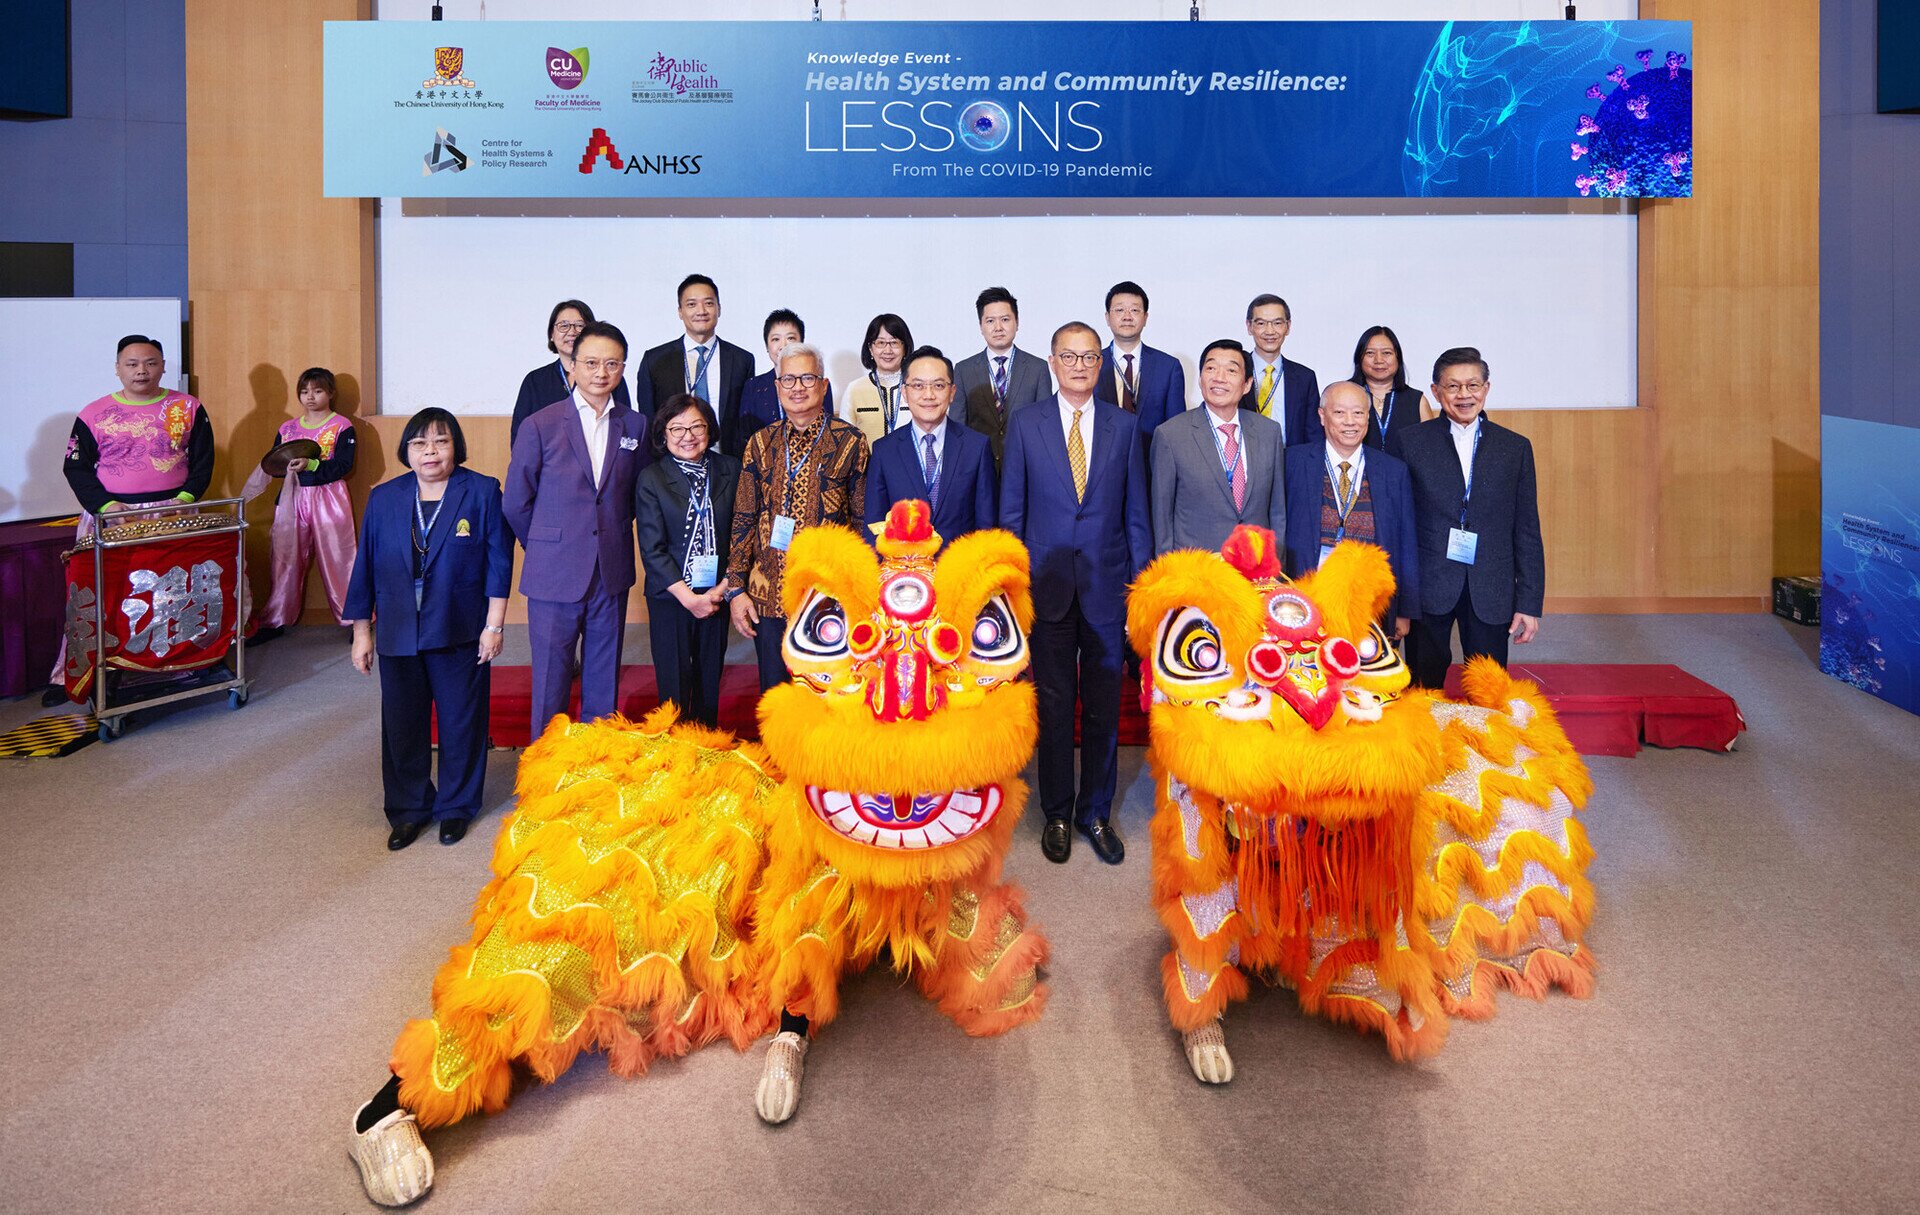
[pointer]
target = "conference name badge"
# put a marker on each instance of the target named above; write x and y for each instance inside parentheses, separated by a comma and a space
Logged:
(706, 572)
(782, 532)
(1461, 545)
(628, 443)
(463, 528)
(1326, 550)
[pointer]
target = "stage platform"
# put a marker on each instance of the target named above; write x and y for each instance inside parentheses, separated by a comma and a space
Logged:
(1607, 709)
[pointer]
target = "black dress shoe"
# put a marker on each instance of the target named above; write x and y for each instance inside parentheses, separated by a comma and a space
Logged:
(1056, 840)
(403, 835)
(270, 633)
(1106, 842)
(453, 830)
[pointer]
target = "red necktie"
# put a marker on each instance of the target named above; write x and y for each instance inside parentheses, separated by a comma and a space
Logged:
(1235, 474)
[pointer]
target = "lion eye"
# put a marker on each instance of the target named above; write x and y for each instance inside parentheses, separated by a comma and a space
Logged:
(819, 629)
(1190, 647)
(1377, 654)
(996, 638)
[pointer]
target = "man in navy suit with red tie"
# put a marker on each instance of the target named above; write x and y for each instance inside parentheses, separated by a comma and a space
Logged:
(1074, 489)
(1145, 382)
(934, 459)
(569, 498)
(1286, 391)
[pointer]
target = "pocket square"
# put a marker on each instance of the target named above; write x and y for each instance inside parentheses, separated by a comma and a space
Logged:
(629, 444)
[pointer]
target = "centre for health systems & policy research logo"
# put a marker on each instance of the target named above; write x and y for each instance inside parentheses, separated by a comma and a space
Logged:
(445, 157)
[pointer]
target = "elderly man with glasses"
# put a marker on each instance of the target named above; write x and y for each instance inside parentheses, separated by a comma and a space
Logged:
(807, 469)
(1477, 520)
(933, 458)
(1074, 489)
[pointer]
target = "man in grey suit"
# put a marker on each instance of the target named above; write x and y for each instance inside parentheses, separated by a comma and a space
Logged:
(1477, 518)
(990, 385)
(1217, 467)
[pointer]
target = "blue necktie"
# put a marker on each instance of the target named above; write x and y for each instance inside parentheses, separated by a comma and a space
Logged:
(930, 467)
(698, 384)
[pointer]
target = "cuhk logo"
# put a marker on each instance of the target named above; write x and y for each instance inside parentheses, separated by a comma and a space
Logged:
(567, 68)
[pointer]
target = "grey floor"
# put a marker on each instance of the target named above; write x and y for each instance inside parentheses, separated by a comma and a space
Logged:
(206, 950)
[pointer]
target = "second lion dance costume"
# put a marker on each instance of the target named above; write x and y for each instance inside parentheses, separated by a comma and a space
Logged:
(661, 886)
(1392, 856)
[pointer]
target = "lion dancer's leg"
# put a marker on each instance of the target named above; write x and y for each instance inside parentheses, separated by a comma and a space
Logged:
(1195, 894)
(986, 975)
(803, 960)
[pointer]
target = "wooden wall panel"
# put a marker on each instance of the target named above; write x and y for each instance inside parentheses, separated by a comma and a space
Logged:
(1692, 502)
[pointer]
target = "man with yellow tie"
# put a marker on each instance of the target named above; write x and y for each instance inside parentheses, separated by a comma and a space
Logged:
(1286, 391)
(1074, 489)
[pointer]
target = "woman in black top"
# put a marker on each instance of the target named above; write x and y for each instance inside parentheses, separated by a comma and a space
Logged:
(683, 512)
(1380, 368)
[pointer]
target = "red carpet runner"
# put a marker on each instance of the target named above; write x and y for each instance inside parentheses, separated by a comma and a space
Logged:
(1606, 709)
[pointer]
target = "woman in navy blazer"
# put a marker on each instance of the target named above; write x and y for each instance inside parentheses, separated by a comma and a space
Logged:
(684, 501)
(427, 598)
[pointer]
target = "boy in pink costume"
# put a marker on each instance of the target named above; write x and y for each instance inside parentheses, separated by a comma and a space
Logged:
(313, 519)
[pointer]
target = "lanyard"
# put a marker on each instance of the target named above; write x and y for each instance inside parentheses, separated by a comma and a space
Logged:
(889, 403)
(566, 381)
(699, 376)
(786, 490)
(1220, 449)
(426, 530)
(1385, 416)
(1343, 509)
(1473, 464)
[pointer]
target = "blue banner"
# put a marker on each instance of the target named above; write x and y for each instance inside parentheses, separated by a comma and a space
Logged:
(1870, 557)
(840, 109)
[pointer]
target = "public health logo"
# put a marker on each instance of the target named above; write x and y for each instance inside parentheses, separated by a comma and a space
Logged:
(445, 157)
(447, 62)
(984, 126)
(567, 69)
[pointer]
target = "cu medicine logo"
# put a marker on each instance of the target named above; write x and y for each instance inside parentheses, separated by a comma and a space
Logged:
(567, 69)
(600, 147)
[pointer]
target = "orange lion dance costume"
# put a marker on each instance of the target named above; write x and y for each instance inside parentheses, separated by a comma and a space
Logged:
(661, 886)
(1392, 856)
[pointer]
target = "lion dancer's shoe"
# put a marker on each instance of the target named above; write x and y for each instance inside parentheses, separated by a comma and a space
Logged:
(395, 1166)
(779, 1093)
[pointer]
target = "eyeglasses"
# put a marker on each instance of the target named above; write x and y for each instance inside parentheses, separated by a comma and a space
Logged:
(1472, 388)
(1077, 358)
(929, 385)
(592, 365)
(885, 344)
(1266, 325)
(805, 380)
(695, 430)
(569, 327)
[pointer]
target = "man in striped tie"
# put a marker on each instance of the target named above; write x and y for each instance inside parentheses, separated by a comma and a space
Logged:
(1074, 489)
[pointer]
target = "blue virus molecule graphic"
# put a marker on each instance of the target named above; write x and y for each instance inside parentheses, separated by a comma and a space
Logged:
(1850, 646)
(984, 126)
(1638, 143)
(1496, 103)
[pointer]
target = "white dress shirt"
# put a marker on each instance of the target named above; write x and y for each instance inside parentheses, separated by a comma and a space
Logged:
(920, 433)
(596, 426)
(1463, 446)
(714, 387)
(1119, 356)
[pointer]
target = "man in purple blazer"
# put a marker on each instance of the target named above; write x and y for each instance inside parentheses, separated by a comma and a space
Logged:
(569, 498)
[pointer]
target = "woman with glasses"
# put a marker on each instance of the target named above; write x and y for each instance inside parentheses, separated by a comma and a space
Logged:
(427, 600)
(550, 382)
(1380, 368)
(874, 402)
(683, 510)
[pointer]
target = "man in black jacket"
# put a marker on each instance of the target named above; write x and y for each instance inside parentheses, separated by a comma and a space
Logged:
(1482, 565)
(699, 363)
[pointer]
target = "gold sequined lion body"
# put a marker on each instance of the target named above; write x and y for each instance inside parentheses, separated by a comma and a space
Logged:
(1393, 856)
(661, 886)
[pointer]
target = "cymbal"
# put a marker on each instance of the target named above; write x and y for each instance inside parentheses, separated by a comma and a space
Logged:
(293, 451)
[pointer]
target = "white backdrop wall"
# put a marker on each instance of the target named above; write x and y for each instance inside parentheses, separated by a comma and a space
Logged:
(1547, 290)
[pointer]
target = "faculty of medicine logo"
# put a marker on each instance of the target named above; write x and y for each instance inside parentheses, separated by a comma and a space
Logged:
(984, 126)
(567, 69)
(447, 62)
(445, 157)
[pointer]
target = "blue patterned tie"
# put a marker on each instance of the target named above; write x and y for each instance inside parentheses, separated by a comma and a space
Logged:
(930, 467)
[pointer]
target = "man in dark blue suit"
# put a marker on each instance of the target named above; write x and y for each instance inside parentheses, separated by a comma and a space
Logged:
(1345, 490)
(1074, 489)
(1145, 382)
(569, 498)
(1286, 391)
(935, 459)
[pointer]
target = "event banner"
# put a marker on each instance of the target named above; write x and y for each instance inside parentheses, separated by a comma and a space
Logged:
(844, 109)
(1870, 557)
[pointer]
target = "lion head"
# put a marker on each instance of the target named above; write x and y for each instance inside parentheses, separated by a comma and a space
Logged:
(1281, 696)
(903, 726)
